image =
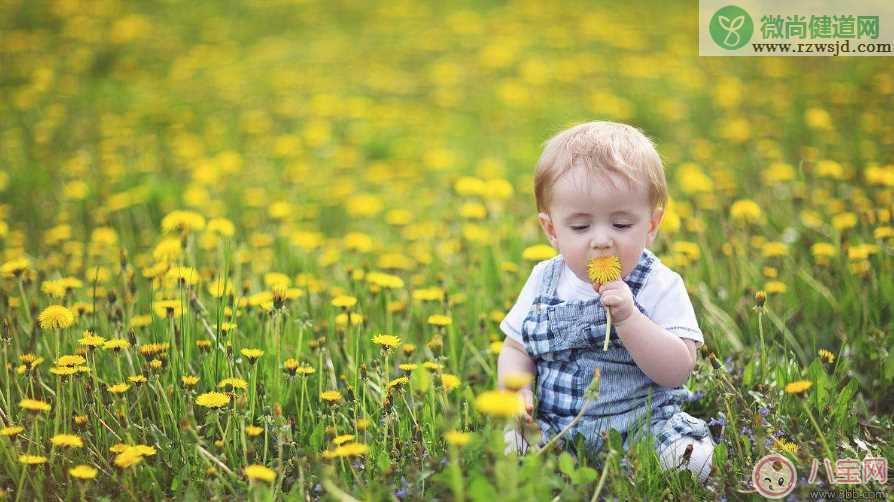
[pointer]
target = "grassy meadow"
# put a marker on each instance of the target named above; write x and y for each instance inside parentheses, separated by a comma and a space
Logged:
(259, 250)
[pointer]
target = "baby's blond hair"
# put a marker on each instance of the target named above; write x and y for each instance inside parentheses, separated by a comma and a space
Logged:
(600, 147)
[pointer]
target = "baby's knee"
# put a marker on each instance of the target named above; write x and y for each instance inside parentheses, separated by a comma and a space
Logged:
(695, 455)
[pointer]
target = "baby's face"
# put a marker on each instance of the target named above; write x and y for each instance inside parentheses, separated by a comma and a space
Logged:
(604, 215)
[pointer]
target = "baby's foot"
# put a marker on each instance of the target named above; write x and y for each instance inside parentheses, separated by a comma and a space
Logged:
(514, 442)
(694, 455)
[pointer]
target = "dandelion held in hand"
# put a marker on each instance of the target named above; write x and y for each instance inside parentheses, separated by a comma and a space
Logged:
(604, 269)
(601, 270)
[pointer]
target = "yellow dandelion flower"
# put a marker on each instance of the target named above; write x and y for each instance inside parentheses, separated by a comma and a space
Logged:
(774, 249)
(344, 438)
(56, 317)
(70, 360)
(772, 287)
(439, 320)
(137, 379)
(182, 221)
(798, 387)
(517, 381)
(151, 349)
(787, 446)
(344, 301)
(53, 288)
(331, 396)
(233, 383)
(500, 403)
(91, 341)
(140, 321)
(222, 227)
(63, 371)
(189, 380)
(745, 210)
(82, 471)
(538, 252)
(408, 367)
(252, 354)
(449, 381)
(253, 430)
(844, 221)
(604, 269)
(34, 405)
(128, 458)
(67, 441)
(168, 308)
(827, 356)
(351, 450)
(118, 388)
(305, 370)
(458, 438)
(116, 344)
(386, 341)
(32, 459)
(213, 400)
(495, 347)
(257, 472)
(14, 268)
(11, 431)
(290, 365)
(397, 382)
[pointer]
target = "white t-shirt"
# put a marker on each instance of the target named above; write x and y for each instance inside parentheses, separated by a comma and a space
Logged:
(663, 297)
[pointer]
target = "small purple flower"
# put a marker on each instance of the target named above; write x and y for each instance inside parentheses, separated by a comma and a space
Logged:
(764, 411)
(695, 396)
(778, 434)
(401, 493)
(721, 421)
(746, 431)
(728, 362)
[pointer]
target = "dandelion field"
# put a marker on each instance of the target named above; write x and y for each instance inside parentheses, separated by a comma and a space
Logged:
(260, 250)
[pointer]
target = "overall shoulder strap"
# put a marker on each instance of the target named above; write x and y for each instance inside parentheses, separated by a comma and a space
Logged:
(551, 273)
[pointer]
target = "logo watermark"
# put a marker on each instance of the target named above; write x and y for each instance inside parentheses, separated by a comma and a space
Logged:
(774, 476)
(731, 27)
(796, 28)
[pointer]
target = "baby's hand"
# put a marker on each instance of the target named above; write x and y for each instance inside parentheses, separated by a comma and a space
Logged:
(618, 298)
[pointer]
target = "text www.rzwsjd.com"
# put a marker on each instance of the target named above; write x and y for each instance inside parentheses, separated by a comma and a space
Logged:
(824, 48)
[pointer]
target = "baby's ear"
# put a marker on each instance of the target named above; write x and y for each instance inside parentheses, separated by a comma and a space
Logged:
(655, 222)
(547, 224)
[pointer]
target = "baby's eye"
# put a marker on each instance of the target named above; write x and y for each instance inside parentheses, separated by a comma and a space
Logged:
(622, 227)
(578, 228)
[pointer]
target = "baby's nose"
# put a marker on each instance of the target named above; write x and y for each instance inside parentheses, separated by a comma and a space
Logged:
(600, 242)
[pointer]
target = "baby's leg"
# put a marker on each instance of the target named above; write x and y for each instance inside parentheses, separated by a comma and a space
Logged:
(689, 453)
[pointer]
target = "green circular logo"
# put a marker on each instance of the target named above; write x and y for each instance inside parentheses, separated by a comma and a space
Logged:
(731, 27)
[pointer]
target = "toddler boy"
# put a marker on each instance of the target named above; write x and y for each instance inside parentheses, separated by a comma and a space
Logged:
(600, 191)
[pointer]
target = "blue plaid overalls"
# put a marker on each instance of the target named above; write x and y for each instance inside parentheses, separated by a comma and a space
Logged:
(565, 340)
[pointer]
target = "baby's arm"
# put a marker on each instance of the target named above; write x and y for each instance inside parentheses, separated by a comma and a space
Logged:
(664, 357)
(514, 359)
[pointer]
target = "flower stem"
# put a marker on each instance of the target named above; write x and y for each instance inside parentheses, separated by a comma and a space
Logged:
(567, 428)
(608, 328)
(817, 428)
(604, 475)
